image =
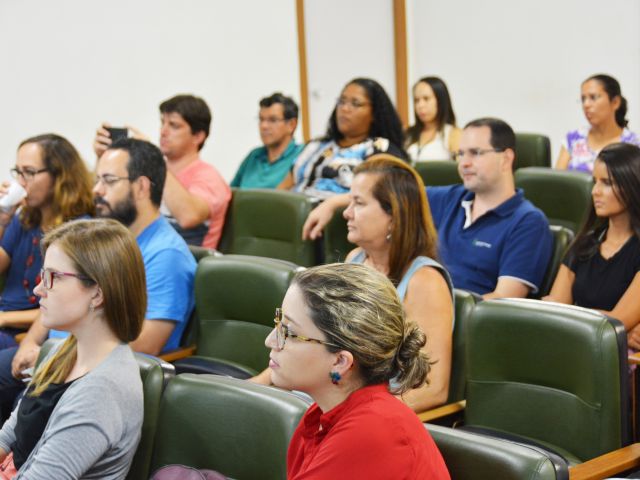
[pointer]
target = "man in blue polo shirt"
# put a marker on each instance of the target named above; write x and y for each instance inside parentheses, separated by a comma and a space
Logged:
(266, 166)
(492, 240)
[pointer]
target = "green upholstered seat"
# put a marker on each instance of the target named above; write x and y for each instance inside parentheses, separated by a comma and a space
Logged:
(563, 196)
(464, 305)
(334, 239)
(155, 375)
(236, 297)
(237, 428)
(200, 252)
(562, 238)
(471, 456)
(268, 223)
(532, 150)
(548, 373)
(439, 172)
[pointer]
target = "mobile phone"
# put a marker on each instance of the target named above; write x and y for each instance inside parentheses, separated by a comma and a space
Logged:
(117, 133)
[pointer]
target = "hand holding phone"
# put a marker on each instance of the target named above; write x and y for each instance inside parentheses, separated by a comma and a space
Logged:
(117, 133)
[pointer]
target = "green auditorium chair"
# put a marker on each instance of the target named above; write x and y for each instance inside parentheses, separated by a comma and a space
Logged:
(155, 375)
(237, 428)
(562, 238)
(268, 223)
(532, 150)
(550, 375)
(476, 457)
(236, 298)
(564, 196)
(438, 172)
(334, 239)
(464, 304)
(200, 252)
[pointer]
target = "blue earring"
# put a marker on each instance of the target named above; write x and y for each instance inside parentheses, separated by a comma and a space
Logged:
(335, 377)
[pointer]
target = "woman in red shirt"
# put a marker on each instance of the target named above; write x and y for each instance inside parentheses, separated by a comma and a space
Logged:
(342, 338)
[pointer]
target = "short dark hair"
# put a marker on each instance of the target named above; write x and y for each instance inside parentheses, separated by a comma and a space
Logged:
(145, 160)
(502, 135)
(194, 110)
(612, 87)
(289, 107)
(386, 122)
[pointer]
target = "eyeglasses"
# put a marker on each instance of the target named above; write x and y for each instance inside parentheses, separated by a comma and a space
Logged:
(353, 103)
(282, 333)
(47, 275)
(475, 152)
(27, 174)
(271, 120)
(109, 180)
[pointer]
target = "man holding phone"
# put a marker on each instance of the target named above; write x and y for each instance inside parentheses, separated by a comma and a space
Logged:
(195, 196)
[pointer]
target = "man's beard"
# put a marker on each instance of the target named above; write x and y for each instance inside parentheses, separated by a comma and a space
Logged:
(124, 211)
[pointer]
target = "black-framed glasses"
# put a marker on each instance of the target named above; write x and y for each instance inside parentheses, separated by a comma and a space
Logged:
(27, 174)
(282, 333)
(475, 152)
(352, 102)
(47, 276)
(110, 180)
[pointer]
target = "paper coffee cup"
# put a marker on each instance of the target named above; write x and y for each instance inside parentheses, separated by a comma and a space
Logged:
(14, 195)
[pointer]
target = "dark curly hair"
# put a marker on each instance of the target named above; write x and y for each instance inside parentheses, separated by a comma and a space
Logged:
(386, 123)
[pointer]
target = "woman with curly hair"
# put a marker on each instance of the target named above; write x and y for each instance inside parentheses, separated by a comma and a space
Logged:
(58, 189)
(363, 122)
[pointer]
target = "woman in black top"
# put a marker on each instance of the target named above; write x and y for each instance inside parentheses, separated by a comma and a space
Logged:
(601, 269)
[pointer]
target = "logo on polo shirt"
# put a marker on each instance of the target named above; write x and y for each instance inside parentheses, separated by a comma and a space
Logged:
(481, 244)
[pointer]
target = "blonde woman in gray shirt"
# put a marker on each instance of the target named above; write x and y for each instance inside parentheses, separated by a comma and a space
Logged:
(82, 413)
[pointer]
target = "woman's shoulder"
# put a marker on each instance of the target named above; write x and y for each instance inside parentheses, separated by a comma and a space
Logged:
(629, 137)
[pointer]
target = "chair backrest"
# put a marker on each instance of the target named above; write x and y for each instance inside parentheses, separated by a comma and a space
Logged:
(334, 239)
(550, 373)
(562, 238)
(564, 196)
(532, 150)
(438, 172)
(200, 252)
(464, 305)
(235, 427)
(268, 223)
(155, 375)
(470, 456)
(236, 297)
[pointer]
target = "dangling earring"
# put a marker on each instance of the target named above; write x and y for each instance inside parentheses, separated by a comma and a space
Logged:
(388, 237)
(335, 377)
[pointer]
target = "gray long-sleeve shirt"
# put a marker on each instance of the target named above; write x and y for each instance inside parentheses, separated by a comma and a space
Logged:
(94, 429)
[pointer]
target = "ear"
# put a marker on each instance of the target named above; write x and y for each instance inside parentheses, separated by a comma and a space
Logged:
(510, 158)
(615, 103)
(199, 138)
(97, 300)
(343, 362)
(292, 124)
(142, 188)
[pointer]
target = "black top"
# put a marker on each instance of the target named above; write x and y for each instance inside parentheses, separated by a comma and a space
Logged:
(600, 283)
(33, 416)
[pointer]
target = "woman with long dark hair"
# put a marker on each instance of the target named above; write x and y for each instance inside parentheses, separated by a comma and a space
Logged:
(434, 135)
(363, 122)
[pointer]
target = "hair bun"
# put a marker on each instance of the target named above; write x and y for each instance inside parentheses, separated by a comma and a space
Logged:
(411, 363)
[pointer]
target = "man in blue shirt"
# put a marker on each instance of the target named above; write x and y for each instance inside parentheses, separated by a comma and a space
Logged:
(491, 239)
(266, 166)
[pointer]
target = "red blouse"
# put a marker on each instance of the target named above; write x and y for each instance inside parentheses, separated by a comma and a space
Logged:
(371, 435)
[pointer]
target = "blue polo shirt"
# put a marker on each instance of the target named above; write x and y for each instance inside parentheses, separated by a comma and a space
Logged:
(170, 271)
(512, 240)
(256, 171)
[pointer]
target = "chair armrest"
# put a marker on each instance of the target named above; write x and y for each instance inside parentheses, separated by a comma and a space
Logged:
(178, 354)
(608, 464)
(443, 411)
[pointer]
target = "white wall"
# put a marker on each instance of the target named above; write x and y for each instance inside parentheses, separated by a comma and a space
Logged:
(346, 39)
(524, 61)
(67, 65)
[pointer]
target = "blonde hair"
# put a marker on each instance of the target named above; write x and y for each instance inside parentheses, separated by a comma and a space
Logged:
(358, 309)
(106, 254)
(72, 189)
(401, 193)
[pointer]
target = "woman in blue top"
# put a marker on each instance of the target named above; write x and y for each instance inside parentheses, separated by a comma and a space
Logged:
(362, 123)
(388, 217)
(58, 188)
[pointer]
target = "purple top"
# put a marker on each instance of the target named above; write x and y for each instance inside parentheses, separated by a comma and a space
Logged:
(582, 157)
